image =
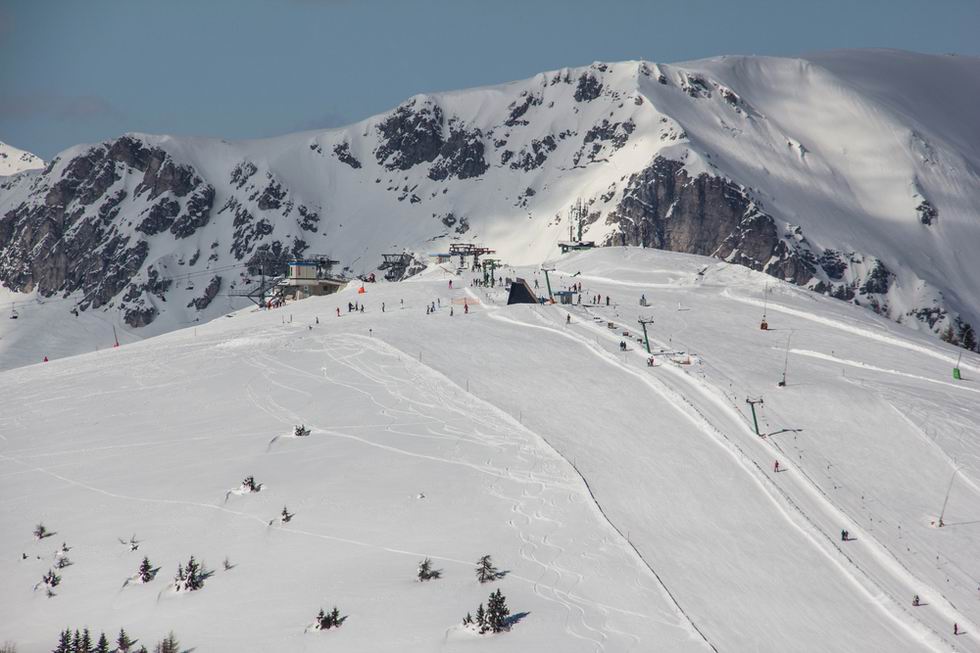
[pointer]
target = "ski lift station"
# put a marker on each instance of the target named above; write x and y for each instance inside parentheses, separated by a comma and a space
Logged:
(310, 277)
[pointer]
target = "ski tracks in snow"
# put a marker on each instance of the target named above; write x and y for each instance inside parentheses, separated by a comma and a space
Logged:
(801, 514)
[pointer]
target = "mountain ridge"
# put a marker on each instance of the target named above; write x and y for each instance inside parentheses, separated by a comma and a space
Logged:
(784, 165)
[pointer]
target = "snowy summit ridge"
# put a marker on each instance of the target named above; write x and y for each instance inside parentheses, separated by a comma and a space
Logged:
(853, 173)
(14, 160)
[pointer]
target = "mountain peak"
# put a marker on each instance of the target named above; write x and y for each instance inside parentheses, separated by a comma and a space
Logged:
(14, 160)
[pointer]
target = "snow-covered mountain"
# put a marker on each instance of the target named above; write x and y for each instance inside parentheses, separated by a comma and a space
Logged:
(633, 507)
(13, 160)
(853, 173)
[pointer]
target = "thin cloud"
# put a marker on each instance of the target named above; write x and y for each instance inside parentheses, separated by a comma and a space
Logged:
(64, 108)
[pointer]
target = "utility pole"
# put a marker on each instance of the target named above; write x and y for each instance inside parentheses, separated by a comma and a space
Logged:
(114, 336)
(643, 323)
(755, 421)
(765, 307)
(946, 500)
(782, 384)
(547, 281)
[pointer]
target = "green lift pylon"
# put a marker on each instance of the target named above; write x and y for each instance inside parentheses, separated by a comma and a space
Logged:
(489, 267)
(547, 282)
(755, 421)
(646, 339)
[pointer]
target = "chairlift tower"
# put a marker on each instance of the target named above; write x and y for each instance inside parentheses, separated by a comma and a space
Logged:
(643, 323)
(755, 421)
(547, 281)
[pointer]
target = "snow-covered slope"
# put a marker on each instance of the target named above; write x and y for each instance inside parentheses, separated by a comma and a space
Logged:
(633, 507)
(13, 160)
(853, 173)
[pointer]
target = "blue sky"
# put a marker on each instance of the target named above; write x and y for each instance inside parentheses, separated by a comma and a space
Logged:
(81, 71)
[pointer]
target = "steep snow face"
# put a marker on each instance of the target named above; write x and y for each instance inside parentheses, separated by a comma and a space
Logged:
(13, 160)
(831, 172)
(456, 433)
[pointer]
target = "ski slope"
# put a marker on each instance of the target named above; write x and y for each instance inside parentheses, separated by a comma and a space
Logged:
(633, 507)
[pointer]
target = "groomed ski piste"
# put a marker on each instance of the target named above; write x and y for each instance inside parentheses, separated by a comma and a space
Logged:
(633, 507)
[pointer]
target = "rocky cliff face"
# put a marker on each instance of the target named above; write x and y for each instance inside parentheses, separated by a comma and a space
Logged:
(682, 158)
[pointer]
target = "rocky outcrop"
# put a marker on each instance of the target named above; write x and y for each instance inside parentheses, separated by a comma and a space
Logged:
(343, 154)
(67, 238)
(588, 88)
(210, 292)
(461, 155)
(665, 208)
(410, 135)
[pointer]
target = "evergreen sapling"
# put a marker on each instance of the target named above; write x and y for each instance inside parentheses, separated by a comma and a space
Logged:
(485, 571)
(426, 572)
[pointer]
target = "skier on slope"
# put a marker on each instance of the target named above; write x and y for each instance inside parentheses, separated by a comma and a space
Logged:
(568, 319)
(775, 466)
(338, 311)
(915, 600)
(466, 308)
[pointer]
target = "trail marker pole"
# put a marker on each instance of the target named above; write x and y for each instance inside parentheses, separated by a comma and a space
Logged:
(643, 323)
(114, 336)
(956, 370)
(755, 421)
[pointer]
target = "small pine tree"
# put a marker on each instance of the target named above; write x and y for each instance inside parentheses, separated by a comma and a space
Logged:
(168, 644)
(249, 484)
(102, 646)
(86, 643)
(326, 621)
(63, 561)
(481, 619)
(286, 515)
(194, 575)
(949, 335)
(76, 642)
(968, 337)
(64, 642)
(51, 579)
(227, 564)
(426, 572)
(468, 619)
(146, 572)
(485, 571)
(497, 612)
(123, 642)
(40, 531)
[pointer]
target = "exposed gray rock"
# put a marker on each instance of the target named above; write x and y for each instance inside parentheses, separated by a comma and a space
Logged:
(197, 212)
(461, 155)
(343, 154)
(588, 88)
(411, 135)
(663, 207)
(210, 292)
